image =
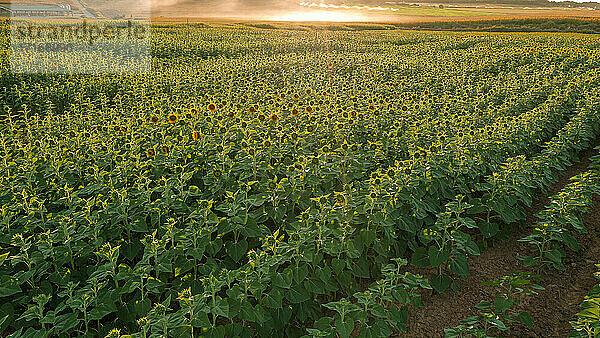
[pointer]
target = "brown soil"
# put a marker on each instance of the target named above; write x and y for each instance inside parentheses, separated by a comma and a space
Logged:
(551, 309)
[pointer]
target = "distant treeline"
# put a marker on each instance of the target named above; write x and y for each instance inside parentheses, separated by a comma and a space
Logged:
(520, 3)
(510, 25)
(566, 25)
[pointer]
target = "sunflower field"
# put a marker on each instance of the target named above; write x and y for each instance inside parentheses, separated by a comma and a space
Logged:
(277, 182)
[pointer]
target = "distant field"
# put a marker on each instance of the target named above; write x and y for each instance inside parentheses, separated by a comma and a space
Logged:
(591, 26)
(428, 13)
(477, 24)
(555, 12)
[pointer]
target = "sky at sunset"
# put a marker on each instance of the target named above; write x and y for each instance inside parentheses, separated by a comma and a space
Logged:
(292, 10)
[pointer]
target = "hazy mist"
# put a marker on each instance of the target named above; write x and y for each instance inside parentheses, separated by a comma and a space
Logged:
(225, 8)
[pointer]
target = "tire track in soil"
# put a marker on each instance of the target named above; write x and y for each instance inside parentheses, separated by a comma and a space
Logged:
(551, 310)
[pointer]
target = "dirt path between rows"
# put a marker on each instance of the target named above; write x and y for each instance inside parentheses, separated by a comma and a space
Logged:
(551, 309)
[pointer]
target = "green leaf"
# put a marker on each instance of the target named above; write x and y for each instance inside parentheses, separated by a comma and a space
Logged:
(217, 332)
(440, 282)
(141, 307)
(6, 310)
(452, 333)
(559, 266)
(66, 322)
(361, 268)
(323, 323)
(456, 285)
(33, 333)
(237, 330)
(459, 264)
(131, 250)
(345, 328)
(384, 328)
(2, 321)
(554, 255)
(347, 282)
(155, 285)
(261, 314)
(2, 259)
(200, 319)
(297, 294)
(234, 306)
(417, 301)
(472, 248)
(273, 299)
(256, 200)
(316, 333)
(301, 272)
(247, 311)
(102, 310)
(477, 207)
(468, 222)
(377, 310)
(314, 285)
(497, 323)
(409, 224)
(369, 332)
(236, 250)
(528, 260)
(567, 238)
(324, 274)
(8, 286)
(488, 229)
(401, 295)
(471, 320)
(365, 238)
(283, 280)
(175, 321)
(338, 265)
(221, 307)
(438, 256)
(214, 246)
(420, 258)
(502, 304)
(398, 318)
(525, 318)
(139, 225)
(483, 305)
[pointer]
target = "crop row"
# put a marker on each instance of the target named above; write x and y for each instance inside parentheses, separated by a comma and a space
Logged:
(553, 229)
(564, 211)
(451, 246)
(588, 320)
(502, 196)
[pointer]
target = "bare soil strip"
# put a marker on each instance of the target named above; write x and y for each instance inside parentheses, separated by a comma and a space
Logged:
(551, 309)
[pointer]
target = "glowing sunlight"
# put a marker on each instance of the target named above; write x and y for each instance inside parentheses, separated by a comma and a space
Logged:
(319, 16)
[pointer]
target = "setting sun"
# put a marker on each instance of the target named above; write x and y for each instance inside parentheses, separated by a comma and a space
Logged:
(319, 16)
